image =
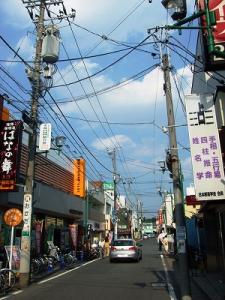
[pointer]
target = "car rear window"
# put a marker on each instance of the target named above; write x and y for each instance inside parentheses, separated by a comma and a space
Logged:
(123, 243)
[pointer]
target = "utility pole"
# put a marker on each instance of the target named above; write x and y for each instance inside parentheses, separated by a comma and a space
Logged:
(28, 189)
(114, 193)
(34, 75)
(177, 188)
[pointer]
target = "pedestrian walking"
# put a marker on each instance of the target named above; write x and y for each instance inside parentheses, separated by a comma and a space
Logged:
(101, 247)
(160, 238)
(107, 246)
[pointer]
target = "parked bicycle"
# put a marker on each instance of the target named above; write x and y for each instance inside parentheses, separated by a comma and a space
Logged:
(41, 264)
(7, 280)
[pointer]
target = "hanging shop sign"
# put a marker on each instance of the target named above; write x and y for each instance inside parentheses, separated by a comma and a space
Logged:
(79, 177)
(10, 147)
(108, 186)
(213, 62)
(13, 217)
(45, 137)
(205, 148)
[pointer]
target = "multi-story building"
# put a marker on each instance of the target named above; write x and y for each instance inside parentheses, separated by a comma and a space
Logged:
(58, 214)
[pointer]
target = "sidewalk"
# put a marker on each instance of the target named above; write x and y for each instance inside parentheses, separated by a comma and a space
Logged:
(204, 286)
(212, 284)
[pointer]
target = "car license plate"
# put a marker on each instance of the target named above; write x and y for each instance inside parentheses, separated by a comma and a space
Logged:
(123, 255)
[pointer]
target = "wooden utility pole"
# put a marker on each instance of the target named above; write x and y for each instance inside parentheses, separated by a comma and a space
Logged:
(184, 283)
(28, 189)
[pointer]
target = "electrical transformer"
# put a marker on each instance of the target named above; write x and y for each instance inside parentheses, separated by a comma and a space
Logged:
(50, 45)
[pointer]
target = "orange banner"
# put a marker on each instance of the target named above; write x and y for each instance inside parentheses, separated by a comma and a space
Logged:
(79, 177)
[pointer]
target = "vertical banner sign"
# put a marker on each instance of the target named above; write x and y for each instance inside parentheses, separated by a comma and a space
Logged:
(27, 210)
(26, 234)
(73, 229)
(10, 146)
(45, 137)
(38, 233)
(205, 148)
(79, 177)
(212, 62)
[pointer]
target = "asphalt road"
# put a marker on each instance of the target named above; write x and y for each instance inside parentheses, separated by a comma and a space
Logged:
(102, 280)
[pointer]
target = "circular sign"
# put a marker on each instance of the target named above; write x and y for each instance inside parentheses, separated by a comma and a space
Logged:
(13, 217)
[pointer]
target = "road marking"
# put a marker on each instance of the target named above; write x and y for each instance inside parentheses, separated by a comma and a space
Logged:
(9, 295)
(170, 287)
(66, 272)
(17, 292)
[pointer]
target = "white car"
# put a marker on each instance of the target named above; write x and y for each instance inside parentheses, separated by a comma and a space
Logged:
(124, 249)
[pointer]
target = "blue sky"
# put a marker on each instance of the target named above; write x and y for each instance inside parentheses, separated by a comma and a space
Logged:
(128, 116)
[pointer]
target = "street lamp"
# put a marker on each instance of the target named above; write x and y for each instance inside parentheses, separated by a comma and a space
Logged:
(177, 8)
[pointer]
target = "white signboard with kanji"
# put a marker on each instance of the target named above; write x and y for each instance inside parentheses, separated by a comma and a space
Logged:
(206, 156)
(45, 137)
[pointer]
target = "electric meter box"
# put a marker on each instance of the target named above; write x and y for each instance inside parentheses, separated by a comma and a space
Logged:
(50, 46)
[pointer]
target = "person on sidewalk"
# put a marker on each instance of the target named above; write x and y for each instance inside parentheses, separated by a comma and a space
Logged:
(160, 238)
(107, 246)
(101, 247)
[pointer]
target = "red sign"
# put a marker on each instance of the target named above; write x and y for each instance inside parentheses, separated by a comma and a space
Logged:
(13, 217)
(218, 7)
(191, 200)
(10, 145)
(160, 217)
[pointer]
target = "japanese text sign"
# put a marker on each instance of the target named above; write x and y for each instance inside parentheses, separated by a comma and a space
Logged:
(79, 177)
(10, 145)
(206, 156)
(13, 217)
(27, 211)
(45, 137)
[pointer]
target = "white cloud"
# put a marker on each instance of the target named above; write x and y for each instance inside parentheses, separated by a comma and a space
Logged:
(109, 143)
(104, 16)
(101, 16)
(132, 97)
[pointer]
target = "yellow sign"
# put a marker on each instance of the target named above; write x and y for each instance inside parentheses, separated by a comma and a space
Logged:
(79, 177)
(13, 217)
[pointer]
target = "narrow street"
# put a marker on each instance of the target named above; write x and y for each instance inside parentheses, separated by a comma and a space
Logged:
(101, 279)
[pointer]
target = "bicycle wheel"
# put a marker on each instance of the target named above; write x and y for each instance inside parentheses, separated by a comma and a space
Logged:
(68, 259)
(9, 279)
(35, 267)
(2, 283)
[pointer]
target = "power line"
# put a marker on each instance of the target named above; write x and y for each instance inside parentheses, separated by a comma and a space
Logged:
(105, 68)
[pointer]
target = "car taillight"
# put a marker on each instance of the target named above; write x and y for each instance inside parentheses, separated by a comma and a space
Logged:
(133, 248)
(113, 248)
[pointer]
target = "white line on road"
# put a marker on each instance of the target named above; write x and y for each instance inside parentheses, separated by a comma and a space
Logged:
(14, 293)
(17, 292)
(170, 287)
(66, 272)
